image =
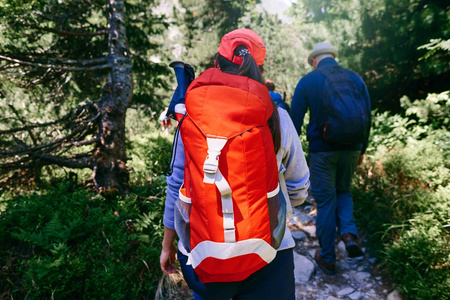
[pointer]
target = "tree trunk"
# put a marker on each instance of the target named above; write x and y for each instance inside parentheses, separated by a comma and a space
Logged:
(110, 171)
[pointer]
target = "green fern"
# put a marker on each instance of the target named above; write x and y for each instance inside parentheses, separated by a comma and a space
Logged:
(146, 221)
(54, 229)
(33, 238)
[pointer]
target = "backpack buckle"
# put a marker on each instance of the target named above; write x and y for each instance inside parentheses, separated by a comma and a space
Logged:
(211, 164)
(215, 145)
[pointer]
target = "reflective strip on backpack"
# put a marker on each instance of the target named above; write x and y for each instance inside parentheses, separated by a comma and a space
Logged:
(274, 192)
(180, 108)
(182, 196)
(229, 250)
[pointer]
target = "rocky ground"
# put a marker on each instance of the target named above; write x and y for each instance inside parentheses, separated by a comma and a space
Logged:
(356, 279)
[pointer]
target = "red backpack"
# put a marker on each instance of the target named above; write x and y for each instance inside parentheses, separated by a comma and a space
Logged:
(233, 212)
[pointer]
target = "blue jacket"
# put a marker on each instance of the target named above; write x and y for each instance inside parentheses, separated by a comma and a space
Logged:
(308, 95)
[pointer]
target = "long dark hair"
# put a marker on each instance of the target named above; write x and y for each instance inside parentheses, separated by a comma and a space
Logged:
(250, 68)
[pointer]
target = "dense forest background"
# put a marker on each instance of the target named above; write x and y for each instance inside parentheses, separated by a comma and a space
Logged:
(83, 160)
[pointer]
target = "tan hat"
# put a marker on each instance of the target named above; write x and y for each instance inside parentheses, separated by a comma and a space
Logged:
(321, 48)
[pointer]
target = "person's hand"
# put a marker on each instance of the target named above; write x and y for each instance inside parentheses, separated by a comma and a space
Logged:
(361, 158)
(168, 251)
(167, 259)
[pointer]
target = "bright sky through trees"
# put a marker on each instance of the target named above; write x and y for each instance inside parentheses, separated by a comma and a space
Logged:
(276, 6)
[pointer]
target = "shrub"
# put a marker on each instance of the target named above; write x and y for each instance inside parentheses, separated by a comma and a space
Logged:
(433, 111)
(402, 199)
(420, 259)
(419, 161)
(75, 244)
(150, 157)
(61, 241)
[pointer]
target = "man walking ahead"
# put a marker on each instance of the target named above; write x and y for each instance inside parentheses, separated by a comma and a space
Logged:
(338, 133)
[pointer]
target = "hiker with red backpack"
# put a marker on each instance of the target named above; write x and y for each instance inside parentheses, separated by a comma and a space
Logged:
(237, 169)
(338, 133)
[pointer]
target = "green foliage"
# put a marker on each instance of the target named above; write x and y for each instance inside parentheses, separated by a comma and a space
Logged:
(434, 46)
(29, 28)
(31, 32)
(141, 119)
(56, 57)
(431, 169)
(394, 184)
(392, 131)
(420, 259)
(197, 27)
(289, 42)
(433, 111)
(391, 61)
(402, 197)
(62, 243)
(145, 36)
(150, 157)
(335, 21)
(362, 31)
(285, 51)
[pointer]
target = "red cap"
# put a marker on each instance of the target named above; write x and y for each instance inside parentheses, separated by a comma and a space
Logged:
(246, 37)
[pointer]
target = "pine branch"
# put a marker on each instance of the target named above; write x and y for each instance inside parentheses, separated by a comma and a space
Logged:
(76, 111)
(70, 33)
(28, 127)
(33, 138)
(9, 66)
(81, 143)
(101, 60)
(55, 67)
(31, 59)
(76, 162)
(30, 150)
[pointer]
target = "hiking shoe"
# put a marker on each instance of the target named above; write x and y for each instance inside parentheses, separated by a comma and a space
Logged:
(327, 268)
(352, 248)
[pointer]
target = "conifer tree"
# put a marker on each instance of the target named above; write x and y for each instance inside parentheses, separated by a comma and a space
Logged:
(67, 82)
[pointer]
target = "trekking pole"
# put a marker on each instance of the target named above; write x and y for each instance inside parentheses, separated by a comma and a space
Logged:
(184, 74)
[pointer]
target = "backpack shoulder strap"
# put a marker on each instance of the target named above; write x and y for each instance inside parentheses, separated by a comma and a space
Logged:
(336, 69)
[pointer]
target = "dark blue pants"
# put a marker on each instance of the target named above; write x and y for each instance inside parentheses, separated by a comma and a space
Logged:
(274, 281)
(331, 175)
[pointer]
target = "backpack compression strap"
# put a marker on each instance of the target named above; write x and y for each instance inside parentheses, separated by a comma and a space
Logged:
(213, 176)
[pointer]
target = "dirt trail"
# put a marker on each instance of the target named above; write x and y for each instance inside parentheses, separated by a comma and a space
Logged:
(355, 279)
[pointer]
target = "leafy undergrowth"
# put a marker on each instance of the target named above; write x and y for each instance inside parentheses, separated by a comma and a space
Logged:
(402, 198)
(66, 241)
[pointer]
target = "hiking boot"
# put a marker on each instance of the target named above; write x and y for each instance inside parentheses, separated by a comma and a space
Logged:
(327, 268)
(352, 248)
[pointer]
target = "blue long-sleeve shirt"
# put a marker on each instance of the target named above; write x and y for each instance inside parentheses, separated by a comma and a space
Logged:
(308, 95)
